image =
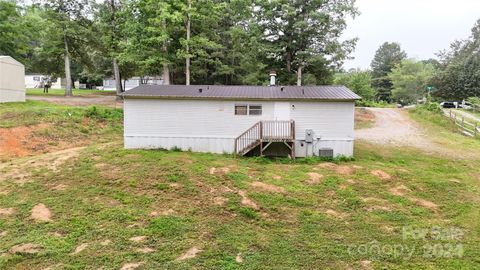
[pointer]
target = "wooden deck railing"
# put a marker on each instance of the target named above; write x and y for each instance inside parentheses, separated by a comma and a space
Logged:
(264, 131)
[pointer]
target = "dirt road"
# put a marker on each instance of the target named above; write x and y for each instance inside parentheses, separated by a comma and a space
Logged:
(393, 127)
(81, 100)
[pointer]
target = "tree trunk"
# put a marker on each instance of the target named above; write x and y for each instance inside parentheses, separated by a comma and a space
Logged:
(118, 80)
(299, 76)
(166, 74)
(187, 60)
(68, 75)
(289, 61)
(166, 70)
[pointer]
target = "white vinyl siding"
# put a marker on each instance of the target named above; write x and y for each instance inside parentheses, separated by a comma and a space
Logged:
(212, 126)
(12, 85)
(188, 118)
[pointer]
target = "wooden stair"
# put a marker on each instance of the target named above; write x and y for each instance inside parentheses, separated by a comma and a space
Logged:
(263, 134)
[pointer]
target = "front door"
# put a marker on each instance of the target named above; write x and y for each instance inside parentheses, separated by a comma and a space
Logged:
(281, 111)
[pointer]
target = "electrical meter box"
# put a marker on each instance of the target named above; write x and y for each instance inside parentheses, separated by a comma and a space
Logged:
(308, 135)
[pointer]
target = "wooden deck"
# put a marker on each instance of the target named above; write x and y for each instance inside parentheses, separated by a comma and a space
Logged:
(263, 134)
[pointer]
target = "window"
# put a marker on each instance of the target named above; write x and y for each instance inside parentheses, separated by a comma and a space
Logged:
(250, 109)
(240, 109)
(255, 109)
(37, 79)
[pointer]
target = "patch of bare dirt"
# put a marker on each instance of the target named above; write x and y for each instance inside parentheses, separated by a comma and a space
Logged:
(340, 169)
(222, 170)
(351, 181)
(132, 266)
(4, 212)
(239, 258)
(336, 214)
(403, 190)
(41, 213)
(247, 201)
(314, 178)
(366, 265)
(400, 190)
(267, 187)
(106, 242)
(277, 177)
(58, 234)
(166, 212)
(28, 248)
(80, 248)
(219, 200)
(59, 187)
(18, 170)
(145, 250)
(381, 174)
(424, 203)
(189, 254)
(138, 239)
(20, 141)
(4, 191)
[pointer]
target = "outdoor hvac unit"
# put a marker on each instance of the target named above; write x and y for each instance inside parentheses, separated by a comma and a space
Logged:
(325, 152)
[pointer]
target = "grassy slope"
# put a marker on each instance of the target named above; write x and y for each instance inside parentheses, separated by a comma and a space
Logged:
(61, 92)
(111, 191)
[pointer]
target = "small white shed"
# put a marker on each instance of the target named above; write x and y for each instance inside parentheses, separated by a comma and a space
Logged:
(245, 120)
(12, 85)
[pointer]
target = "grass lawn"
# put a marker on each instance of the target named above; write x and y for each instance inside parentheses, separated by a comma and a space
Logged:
(61, 92)
(180, 210)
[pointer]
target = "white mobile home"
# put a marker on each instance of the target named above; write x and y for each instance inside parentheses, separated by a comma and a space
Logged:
(12, 88)
(39, 80)
(246, 120)
(109, 84)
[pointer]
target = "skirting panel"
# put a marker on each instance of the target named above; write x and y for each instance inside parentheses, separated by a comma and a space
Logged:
(341, 147)
(196, 144)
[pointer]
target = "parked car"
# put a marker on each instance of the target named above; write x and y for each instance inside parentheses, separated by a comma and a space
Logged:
(448, 104)
(465, 105)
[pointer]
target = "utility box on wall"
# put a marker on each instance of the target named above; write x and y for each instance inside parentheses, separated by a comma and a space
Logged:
(308, 135)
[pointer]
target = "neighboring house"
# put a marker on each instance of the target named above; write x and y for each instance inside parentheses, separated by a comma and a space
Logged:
(246, 120)
(39, 80)
(12, 88)
(109, 84)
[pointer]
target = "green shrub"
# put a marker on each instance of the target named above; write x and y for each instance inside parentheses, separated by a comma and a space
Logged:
(103, 114)
(433, 107)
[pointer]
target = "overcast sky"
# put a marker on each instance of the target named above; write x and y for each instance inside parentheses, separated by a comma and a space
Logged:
(422, 27)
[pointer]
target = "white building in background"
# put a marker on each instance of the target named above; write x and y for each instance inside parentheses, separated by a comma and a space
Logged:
(109, 84)
(39, 80)
(245, 120)
(12, 87)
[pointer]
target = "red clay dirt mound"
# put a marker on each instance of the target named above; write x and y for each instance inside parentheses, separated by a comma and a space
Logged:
(25, 141)
(20, 141)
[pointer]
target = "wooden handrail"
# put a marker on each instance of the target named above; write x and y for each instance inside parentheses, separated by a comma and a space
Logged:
(268, 130)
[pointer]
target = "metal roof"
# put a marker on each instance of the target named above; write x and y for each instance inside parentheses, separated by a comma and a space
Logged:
(242, 92)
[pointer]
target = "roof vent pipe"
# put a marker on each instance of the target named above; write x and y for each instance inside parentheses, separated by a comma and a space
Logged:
(273, 76)
(200, 90)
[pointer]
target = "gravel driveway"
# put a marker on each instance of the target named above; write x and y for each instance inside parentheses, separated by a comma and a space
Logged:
(393, 127)
(81, 100)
